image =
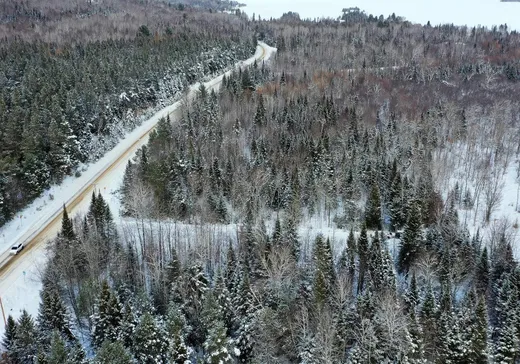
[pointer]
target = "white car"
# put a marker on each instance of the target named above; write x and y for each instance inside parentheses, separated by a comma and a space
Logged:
(16, 249)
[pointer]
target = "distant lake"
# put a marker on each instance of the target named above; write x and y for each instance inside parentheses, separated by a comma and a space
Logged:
(459, 12)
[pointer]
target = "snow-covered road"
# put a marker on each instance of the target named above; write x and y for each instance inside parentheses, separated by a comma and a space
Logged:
(39, 222)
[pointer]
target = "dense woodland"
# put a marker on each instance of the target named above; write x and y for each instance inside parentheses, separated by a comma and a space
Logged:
(63, 104)
(371, 126)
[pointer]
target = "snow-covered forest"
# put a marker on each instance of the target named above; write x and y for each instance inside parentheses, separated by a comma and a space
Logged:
(64, 104)
(343, 203)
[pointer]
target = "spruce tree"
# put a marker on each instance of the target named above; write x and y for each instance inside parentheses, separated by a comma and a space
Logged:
(351, 253)
(178, 351)
(126, 190)
(478, 352)
(113, 353)
(9, 334)
(429, 325)
(107, 318)
(373, 209)
(416, 351)
(24, 347)
(506, 344)
(217, 346)
(363, 253)
(291, 238)
(58, 351)
(413, 294)
(128, 325)
(67, 230)
(483, 274)
(410, 244)
(52, 315)
(397, 219)
(149, 345)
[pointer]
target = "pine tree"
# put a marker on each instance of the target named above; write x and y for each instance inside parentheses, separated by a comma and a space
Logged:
(24, 347)
(77, 355)
(478, 352)
(412, 295)
(129, 323)
(126, 189)
(416, 352)
(260, 115)
(52, 315)
(411, 240)
(291, 238)
(242, 301)
(149, 344)
(428, 321)
(58, 352)
(324, 276)
(217, 345)
(107, 318)
(351, 253)
(482, 274)
(506, 344)
(67, 230)
(363, 253)
(113, 353)
(396, 203)
(173, 269)
(178, 351)
(9, 334)
(373, 209)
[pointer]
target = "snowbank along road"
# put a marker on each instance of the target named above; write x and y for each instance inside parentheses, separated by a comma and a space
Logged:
(104, 176)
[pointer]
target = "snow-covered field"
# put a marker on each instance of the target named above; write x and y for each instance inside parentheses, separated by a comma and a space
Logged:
(20, 285)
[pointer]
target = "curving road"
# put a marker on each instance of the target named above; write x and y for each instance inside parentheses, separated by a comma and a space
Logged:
(48, 226)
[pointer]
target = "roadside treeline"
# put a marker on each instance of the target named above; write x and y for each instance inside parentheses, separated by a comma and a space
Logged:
(64, 104)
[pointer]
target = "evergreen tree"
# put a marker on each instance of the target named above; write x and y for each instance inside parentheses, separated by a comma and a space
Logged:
(242, 301)
(411, 240)
(24, 347)
(9, 334)
(324, 276)
(506, 343)
(363, 252)
(416, 352)
(149, 345)
(58, 351)
(260, 115)
(67, 230)
(351, 253)
(428, 321)
(173, 269)
(373, 209)
(129, 323)
(478, 352)
(113, 353)
(291, 238)
(397, 215)
(482, 274)
(52, 315)
(413, 294)
(107, 318)
(217, 345)
(178, 351)
(129, 181)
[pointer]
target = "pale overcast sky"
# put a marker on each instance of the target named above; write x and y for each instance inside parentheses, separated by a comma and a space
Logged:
(470, 12)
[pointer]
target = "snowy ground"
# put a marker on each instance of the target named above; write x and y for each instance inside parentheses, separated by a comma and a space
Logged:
(20, 285)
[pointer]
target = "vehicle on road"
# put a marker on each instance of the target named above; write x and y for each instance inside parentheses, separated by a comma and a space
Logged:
(16, 249)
